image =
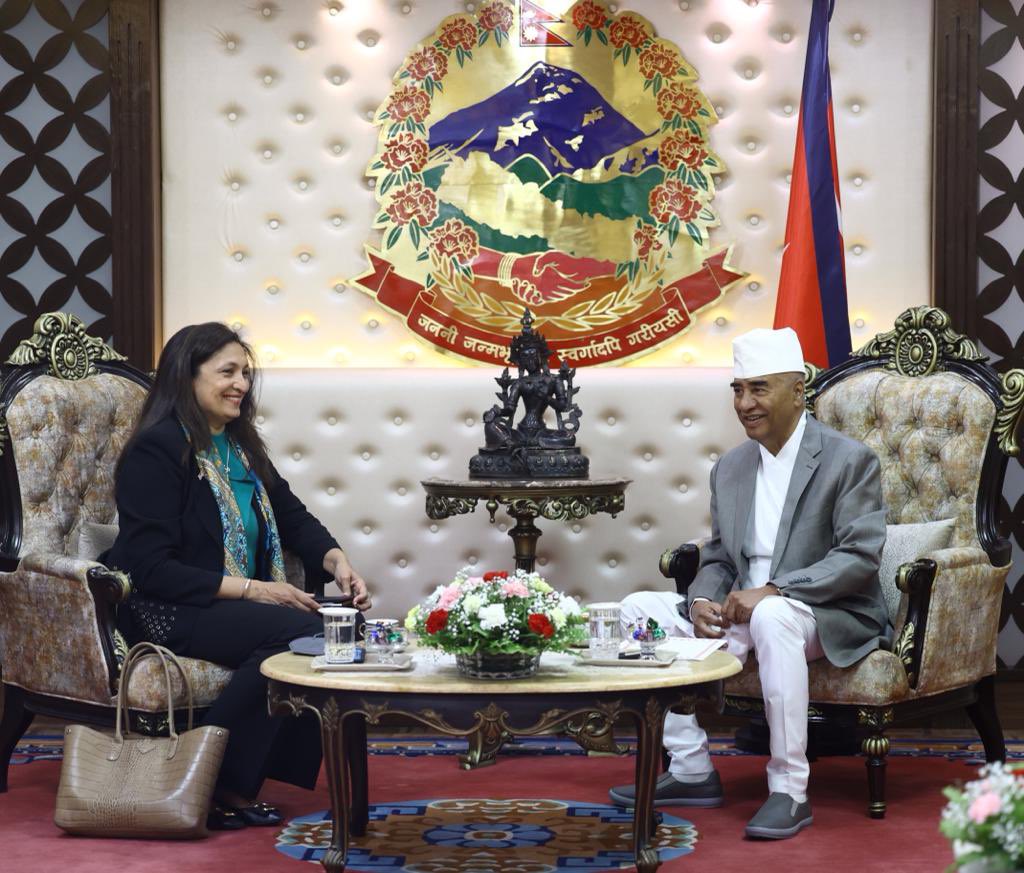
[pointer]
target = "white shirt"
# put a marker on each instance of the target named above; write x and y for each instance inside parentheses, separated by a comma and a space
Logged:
(770, 487)
(773, 475)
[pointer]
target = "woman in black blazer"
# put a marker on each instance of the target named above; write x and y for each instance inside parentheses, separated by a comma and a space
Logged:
(204, 517)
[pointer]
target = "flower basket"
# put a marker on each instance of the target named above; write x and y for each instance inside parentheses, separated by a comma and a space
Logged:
(497, 625)
(498, 665)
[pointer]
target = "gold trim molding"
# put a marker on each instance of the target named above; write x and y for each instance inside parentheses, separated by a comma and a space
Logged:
(60, 341)
(1011, 403)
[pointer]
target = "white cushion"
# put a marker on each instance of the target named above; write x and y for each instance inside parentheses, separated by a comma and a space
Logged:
(95, 539)
(908, 542)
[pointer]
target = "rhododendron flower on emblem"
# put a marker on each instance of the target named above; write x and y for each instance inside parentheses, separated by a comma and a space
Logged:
(413, 202)
(673, 199)
(682, 148)
(589, 14)
(405, 150)
(455, 239)
(495, 16)
(628, 31)
(678, 99)
(428, 62)
(409, 102)
(460, 33)
(646, 239)
(659, 59)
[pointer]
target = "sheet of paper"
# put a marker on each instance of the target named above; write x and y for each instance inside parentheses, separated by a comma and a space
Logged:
(691, 649)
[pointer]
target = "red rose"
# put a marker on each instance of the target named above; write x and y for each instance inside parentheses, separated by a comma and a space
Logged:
(461, 32)
(405, 150)
(456, 239)
(428, 62)
(540, 624)
(646, 239)
(414, 202)
(682, 147)
(491, 575)
(589, 14)
(659, 58)
(437, 620)
(409, 102)
(495, 16)
(673, 198)
(678, 99)
(628, 31)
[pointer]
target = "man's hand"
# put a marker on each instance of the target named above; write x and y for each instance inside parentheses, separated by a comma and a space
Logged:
(348, 580)
(708, 619)
(739, 605)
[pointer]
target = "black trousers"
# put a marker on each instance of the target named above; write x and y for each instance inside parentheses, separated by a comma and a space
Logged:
(241, 634)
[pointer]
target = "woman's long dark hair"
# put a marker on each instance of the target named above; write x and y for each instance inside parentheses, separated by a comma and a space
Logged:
(173, 394)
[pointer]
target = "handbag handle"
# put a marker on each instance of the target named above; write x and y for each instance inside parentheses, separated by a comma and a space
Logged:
(134, 656)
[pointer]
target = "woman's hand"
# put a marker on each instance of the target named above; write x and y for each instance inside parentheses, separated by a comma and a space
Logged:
(348, 580)
(281, 594)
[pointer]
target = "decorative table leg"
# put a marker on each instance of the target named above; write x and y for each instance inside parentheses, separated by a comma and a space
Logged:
(484, 745)
(649, 731)
(337, 785)
(354, 739)
(876, 748)
(525, 535)
(595, 734)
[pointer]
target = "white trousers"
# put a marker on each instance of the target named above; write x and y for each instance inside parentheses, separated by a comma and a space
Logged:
(784, 634)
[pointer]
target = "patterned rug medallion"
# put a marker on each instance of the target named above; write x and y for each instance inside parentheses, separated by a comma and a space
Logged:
(478, 835)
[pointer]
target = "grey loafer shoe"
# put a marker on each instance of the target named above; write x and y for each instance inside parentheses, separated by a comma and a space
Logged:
(780, 817)
(670, 792)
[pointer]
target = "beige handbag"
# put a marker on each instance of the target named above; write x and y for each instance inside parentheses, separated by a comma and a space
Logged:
(135, 786)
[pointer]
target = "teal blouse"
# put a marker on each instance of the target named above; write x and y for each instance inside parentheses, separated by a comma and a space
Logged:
(243, 487)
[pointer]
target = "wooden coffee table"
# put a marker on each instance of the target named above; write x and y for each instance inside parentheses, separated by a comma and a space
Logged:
(438, 697)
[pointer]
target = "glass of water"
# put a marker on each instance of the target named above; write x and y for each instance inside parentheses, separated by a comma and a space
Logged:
(605, 630)
(339, 634)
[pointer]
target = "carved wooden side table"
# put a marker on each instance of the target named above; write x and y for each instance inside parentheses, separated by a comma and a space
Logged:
(526, 500)
(436, 696)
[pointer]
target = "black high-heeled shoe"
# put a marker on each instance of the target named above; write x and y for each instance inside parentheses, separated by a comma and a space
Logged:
(224, 818)
(260, 814)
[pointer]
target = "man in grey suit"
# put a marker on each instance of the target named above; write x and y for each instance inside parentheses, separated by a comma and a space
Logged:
(791, 570)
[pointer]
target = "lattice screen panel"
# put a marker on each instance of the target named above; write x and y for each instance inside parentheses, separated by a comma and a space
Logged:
(55, 245)
(1001, 259)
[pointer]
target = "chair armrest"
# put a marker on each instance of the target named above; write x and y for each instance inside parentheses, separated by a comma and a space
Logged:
(957, 617)
(55, 606)
(681, 564)
(914, 579)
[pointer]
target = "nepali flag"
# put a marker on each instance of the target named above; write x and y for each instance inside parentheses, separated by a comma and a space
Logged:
(812, 286)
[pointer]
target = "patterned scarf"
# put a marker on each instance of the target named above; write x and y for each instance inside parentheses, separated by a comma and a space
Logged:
(236, 556)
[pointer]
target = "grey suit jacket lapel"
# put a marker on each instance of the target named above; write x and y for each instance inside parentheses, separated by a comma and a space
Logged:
(745, 487)
(803, 470)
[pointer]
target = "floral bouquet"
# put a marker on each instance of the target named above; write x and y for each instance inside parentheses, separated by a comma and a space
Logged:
(497, 613)
(985, 820)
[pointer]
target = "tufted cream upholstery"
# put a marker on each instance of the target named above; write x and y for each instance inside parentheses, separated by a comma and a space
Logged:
(355, 444)
(66, 438)
(930, 435)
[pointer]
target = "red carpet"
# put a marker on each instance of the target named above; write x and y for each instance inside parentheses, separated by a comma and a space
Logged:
(841, 839)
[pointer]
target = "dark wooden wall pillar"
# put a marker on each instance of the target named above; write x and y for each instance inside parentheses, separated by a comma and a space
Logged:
(955, 167)
(135, 179)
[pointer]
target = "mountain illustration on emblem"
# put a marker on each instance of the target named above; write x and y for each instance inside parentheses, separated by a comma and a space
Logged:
(548, 116)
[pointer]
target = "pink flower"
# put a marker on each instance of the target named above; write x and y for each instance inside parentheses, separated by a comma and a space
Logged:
(448, 596)
(514, 588)
(983, 806)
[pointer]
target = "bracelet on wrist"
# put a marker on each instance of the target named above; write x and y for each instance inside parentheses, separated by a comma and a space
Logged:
(245, 589)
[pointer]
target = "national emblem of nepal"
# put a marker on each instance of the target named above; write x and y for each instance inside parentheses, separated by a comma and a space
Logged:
(560, 163)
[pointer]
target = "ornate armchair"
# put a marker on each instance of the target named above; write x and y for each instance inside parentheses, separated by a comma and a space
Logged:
(67, 405)
(942, 423)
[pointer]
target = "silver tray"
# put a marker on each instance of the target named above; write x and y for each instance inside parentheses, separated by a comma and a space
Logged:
(370, 665)
(625, 662)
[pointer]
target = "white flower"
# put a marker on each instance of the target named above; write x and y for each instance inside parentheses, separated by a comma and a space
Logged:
(557, 618)
(568, 605)
(540, 585)
(471, 603)
(492, 616)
